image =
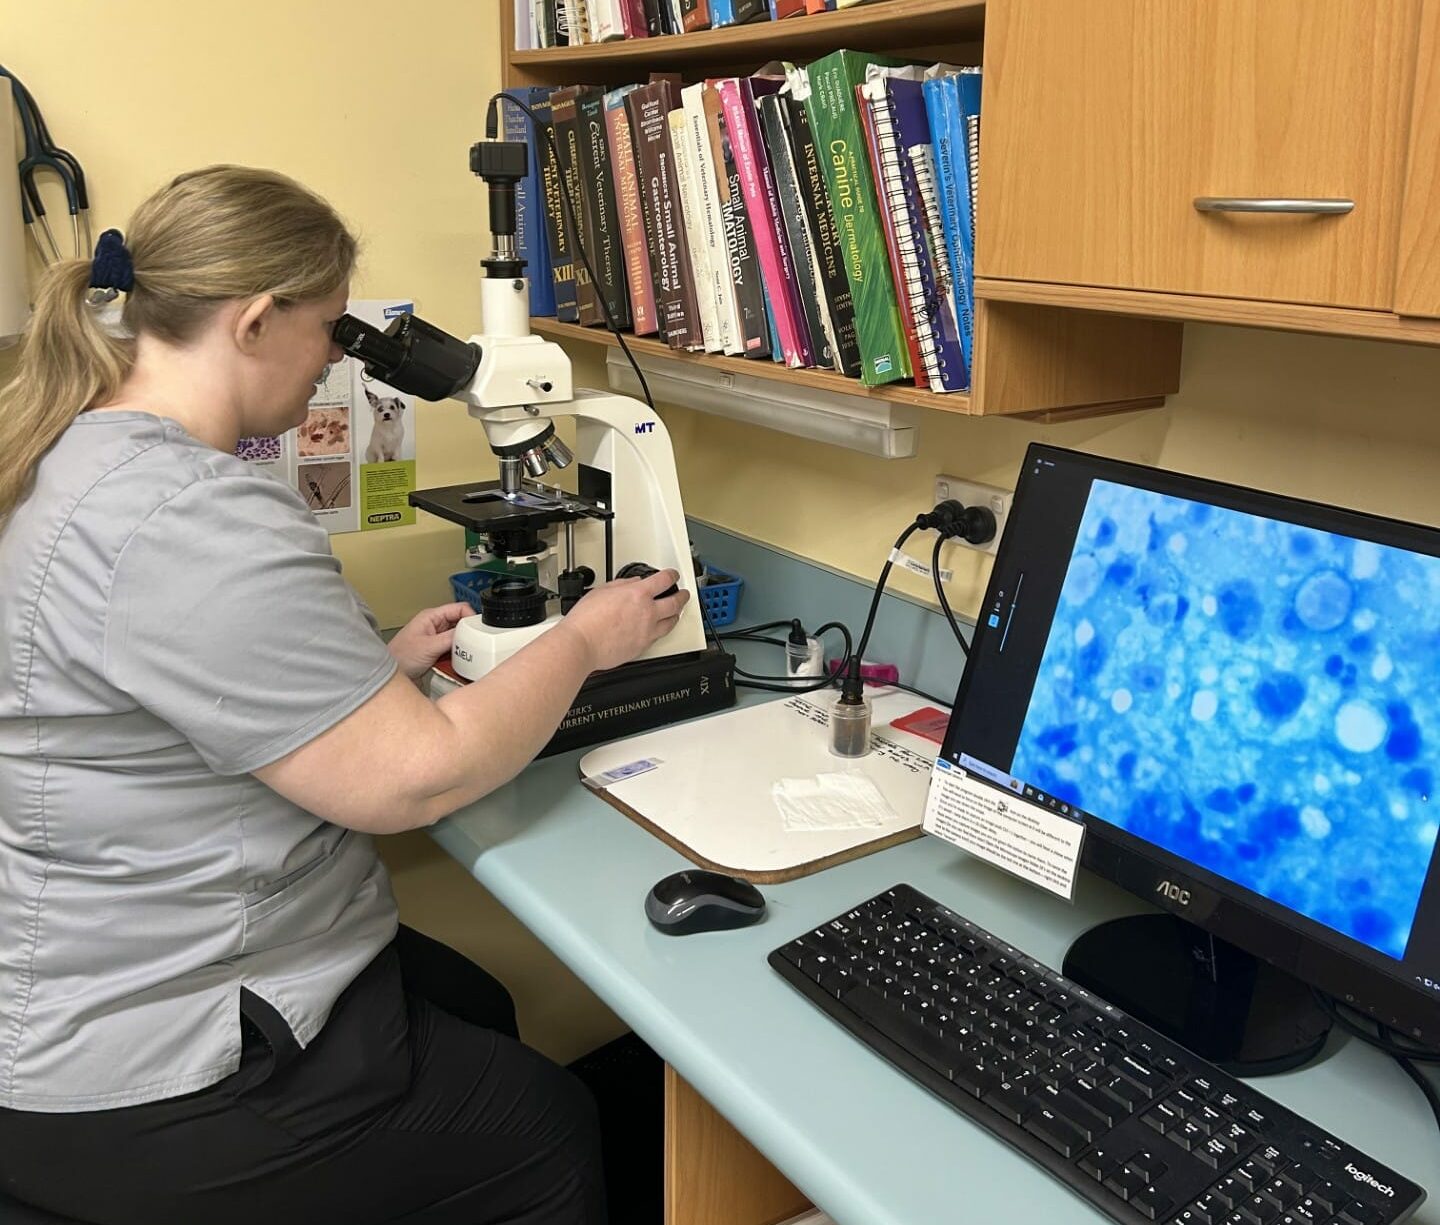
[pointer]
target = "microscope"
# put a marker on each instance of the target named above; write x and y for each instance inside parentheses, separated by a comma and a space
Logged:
(626, 518)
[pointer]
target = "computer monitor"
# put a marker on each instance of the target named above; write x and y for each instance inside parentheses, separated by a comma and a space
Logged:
(1239, 695)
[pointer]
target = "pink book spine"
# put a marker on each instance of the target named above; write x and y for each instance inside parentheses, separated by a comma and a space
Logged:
(633, 14)
(762, 206)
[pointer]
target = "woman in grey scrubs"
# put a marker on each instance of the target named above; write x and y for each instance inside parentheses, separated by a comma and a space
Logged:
(208, 1012)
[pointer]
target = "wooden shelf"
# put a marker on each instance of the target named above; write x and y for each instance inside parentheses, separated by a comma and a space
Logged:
(878, 26)
(1194, 308)
(816, 380)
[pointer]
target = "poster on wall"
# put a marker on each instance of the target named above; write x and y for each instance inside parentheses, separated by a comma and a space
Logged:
(353, 460)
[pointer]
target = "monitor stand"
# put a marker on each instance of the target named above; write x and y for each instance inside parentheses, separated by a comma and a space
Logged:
(1215, 999)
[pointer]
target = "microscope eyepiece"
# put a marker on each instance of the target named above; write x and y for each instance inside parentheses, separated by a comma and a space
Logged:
(410, 355)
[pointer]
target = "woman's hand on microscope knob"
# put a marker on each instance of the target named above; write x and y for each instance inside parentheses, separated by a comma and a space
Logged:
(619, 620)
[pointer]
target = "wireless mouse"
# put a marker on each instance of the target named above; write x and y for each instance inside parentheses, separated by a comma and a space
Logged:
(697, 900)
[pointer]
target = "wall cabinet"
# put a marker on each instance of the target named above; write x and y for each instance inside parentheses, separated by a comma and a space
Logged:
(1280, 152)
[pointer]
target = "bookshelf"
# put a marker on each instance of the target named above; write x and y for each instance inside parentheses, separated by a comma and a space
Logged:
(1036, 360)
(892, 25)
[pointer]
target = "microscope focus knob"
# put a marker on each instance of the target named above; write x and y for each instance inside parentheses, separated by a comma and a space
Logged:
(640, 569)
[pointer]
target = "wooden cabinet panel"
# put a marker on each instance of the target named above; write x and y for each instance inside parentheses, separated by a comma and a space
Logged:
(1417, 288)
(1104, 121)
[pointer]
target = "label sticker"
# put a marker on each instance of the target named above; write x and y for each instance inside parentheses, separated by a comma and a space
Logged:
(906, 562)
(599, 782)
(1027, 841)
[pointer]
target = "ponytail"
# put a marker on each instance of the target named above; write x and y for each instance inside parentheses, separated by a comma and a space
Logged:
(208, 237)
(69, 362)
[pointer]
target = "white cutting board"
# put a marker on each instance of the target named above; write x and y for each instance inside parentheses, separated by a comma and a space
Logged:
(710, 796)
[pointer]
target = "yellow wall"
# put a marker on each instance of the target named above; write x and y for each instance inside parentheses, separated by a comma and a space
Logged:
(373, 105)
(1351, 422)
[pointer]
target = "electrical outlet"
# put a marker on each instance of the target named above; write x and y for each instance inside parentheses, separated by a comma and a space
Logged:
(972, 493)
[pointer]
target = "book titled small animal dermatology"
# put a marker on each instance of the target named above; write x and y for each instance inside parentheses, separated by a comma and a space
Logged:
(352, 462)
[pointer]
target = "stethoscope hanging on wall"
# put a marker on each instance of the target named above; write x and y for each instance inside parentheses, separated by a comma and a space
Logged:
(42, 153)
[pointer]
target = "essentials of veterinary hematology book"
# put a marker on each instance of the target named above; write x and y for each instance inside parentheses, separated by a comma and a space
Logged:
(352, 462)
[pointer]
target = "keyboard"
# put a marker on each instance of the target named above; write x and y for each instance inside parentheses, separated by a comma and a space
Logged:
(1138, 1125)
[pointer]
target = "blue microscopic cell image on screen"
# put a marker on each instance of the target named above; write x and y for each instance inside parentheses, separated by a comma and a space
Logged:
(1257, 697)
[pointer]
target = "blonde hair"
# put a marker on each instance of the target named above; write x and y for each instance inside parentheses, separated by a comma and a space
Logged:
(208, 237)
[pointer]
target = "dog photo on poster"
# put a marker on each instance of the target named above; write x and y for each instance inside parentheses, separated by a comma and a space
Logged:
(352, 461)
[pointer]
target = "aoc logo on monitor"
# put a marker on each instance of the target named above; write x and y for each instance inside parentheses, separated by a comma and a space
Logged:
(1174, 892)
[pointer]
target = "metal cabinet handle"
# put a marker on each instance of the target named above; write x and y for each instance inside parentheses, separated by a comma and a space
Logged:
(1270, 204)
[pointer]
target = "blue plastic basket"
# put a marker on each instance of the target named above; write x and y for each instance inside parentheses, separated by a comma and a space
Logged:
(468, 584)
(721, 597)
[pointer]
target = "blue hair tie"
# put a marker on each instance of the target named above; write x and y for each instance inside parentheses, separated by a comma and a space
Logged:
(112, 269)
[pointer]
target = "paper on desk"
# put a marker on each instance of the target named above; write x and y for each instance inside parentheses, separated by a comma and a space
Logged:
(1026, 840)
(831, 801)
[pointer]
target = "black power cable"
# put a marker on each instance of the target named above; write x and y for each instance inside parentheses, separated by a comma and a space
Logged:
(543, 130)
(1405, 1053)
(940, 595)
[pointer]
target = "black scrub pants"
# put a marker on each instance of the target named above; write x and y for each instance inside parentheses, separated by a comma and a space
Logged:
(415, 1105)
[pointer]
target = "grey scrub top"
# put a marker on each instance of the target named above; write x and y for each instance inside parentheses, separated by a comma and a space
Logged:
(170, 619)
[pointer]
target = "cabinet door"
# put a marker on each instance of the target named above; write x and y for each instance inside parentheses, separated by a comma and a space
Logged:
(1104, 121)
(1417, 290)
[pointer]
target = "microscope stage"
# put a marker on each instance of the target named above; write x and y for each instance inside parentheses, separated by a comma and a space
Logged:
(480, 506)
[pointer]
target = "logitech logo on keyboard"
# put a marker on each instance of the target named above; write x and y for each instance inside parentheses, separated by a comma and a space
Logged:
(1369, 1180)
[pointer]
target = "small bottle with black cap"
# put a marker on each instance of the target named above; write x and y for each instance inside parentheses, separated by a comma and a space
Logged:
(850, 716)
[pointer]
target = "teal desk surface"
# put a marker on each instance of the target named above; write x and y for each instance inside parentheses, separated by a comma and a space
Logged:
(864, 1142)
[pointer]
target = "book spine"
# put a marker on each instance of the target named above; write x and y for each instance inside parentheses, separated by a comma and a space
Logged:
(942, 104)
(948, 368)
(780, 9)
(624, 706)
(632, 226)
(814, 6)
(776, 352)
(722, 13)
(707, 197)
(681, 144)
(868, 106)
(530, 241)
(637, 20)
(606, 254)
(750, 10)
(567, 134)
(606, 22)
(694, 15)
(771, 110)
(835, 120)
(560, 17)
(754, 331)
(820, 228)
(955, 370)
(763, 205)
(579, 22)
(660, 205)
(543, 12)
(557, 229)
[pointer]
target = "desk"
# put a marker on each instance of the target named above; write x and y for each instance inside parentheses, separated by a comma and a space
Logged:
(855, 1135)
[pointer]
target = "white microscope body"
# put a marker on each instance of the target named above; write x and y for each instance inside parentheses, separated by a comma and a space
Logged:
(627, 467)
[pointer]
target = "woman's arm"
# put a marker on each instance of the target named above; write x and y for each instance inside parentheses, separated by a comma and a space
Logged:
(401, 761)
